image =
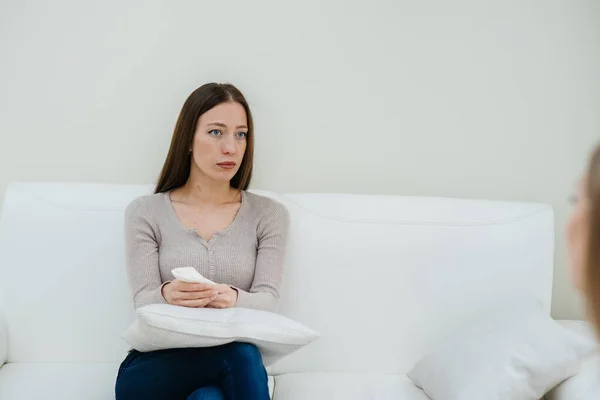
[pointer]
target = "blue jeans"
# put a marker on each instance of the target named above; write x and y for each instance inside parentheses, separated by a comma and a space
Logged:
(233, 371)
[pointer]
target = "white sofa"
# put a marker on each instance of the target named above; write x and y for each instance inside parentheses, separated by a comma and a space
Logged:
(382, 278)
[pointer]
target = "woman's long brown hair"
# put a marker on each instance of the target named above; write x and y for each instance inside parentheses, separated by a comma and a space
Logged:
(176, 169)
(591, 271)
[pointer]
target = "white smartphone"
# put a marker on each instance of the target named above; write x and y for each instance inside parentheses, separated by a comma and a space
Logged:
(189, 274)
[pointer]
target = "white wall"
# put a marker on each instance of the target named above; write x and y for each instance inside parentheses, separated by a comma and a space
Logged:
(486, 99)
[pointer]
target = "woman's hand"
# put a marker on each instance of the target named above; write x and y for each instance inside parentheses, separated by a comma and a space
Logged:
(226, 298)
(187, 294)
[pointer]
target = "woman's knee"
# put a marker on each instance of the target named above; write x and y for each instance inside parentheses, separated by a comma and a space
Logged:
(207, 393)
(245, 354)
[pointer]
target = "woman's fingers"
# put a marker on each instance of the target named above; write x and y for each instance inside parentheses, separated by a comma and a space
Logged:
(199, 294)
(208, 293)
(193, 287)
(196, 303)
(217, 303)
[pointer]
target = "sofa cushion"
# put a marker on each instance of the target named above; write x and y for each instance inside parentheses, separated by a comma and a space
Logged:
(347, 386)
(61, 381)
(58, 381)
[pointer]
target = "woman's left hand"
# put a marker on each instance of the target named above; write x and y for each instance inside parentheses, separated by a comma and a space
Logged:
(226, 297)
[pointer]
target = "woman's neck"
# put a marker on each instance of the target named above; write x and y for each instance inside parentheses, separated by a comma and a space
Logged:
(206, 191)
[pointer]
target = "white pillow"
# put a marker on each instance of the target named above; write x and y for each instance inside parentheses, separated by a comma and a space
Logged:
(516, 353)
(165, 326)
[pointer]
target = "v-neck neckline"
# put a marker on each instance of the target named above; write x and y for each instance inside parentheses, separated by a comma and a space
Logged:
(173, 214)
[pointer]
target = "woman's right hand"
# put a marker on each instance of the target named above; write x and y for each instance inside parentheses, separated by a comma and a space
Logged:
(187, 294)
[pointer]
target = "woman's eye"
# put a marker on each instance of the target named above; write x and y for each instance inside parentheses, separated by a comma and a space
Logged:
(241, 135)
(214, 132)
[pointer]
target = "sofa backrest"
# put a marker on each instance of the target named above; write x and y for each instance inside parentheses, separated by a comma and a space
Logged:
(382, 278)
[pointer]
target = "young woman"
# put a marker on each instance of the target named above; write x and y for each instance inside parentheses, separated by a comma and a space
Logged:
(583, 235)
(201, 216)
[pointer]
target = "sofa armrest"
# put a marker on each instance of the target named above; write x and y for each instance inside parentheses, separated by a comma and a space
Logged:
(585, 385)
(3, 339)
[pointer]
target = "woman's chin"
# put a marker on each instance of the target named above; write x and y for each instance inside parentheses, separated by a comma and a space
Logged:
(223, 177)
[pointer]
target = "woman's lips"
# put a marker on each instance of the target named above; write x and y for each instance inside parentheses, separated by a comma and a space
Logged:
(227, 165)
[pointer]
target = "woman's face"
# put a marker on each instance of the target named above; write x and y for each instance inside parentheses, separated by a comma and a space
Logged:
(220, 141)
(577, 233)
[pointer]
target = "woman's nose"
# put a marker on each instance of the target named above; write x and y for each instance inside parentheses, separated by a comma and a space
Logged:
(228, 145)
